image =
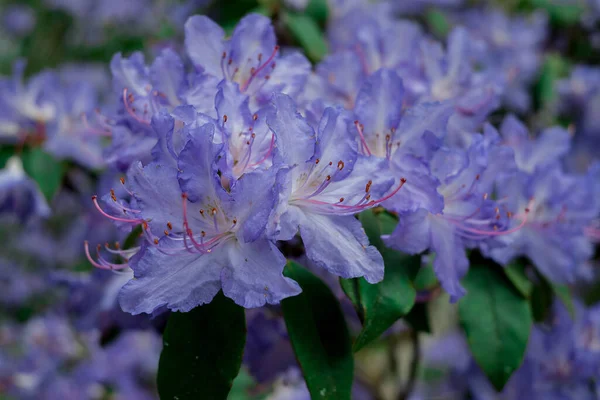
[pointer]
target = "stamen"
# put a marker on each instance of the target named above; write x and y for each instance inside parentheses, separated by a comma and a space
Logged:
(93, 130)
(363, 141)
(223, 69)
(132, 221)
(254, 72)
(131, 111)
(102, 264)
(360, 206)
(267, 154)
(472, 233)
(214, 213)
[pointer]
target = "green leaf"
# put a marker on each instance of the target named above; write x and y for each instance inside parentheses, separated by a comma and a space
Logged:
(563, 293)
(386, 302)
(497, 321)
(516, 273)
(241, 385)
(543, 296)
(229, 25)
(317, 10)
(307, 33)
(352, 290)
(426, 279)
(561, 13)
(554, 68)
(438, 22)
(541, 301)
(319, 336)
(202, 351)
(45, 170)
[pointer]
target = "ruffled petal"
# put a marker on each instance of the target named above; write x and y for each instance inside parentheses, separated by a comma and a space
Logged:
(340, 245)
(204, 44)
(179, 282)
(294, 137)
(412, 234)
(254, 275)
(451, 262)
(168, 77)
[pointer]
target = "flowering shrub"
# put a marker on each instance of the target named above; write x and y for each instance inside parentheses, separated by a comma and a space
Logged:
(305, 199)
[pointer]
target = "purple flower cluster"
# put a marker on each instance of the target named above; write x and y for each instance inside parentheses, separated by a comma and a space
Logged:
(251, 148)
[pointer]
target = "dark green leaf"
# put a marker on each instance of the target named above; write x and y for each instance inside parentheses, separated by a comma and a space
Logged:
(516, 273)
(5, 153)
(202, 351)
(352, 291)
(541, 301)
(45, 170)
(317, 10)
(229, 26)
(228, 12)
(241, 385)
(561, 13)
(307, 33)
(418, 318)
(543, 297)
(319, 336)
(497, 321)
(386, 302)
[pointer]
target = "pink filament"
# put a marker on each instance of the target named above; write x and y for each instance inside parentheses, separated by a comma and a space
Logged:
(93, 130)
(359, 207)
(131, 221)
(267, 154)
(468, 229)
(259, 69)
(130, 111)
(362, 137)
(103, 263)
(203, 247)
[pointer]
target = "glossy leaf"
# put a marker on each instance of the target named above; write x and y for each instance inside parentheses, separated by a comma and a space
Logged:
(193, 363)
(516, 273)
(497, 321)
(319, 336)
(352, 290)
(45, 170)
(386, 302)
